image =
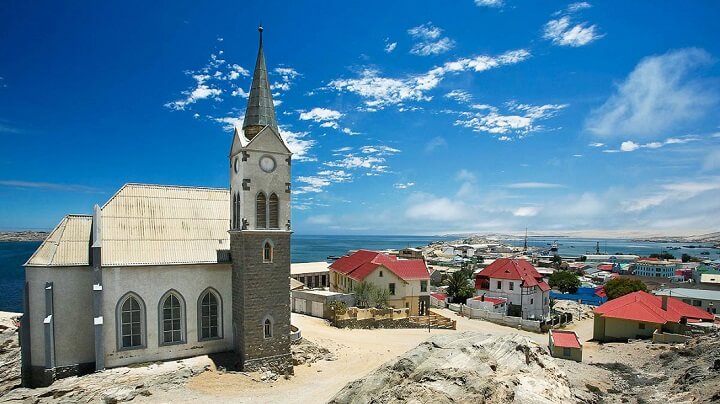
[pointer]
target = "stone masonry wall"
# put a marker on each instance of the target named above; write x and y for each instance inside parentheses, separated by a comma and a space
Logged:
(261, 290)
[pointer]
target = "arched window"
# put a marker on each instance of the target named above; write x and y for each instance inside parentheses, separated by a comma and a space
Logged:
(238, 218)
(210, 313)
(267, 328)
(274, 212)
(233, 218)
(131, 322)
(261, 211)
(267, 251)
(172, 319)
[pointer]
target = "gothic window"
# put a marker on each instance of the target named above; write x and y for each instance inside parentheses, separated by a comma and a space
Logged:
(267, 328)
(131, 322)
(210, 315)
(233, 218)
(267, 252)
(261, 211)
(172, 315)
(273, 208)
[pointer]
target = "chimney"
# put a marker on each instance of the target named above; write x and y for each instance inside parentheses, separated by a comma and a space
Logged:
(664, 302)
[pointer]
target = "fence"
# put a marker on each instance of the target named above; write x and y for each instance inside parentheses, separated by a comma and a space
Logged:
(498, 318)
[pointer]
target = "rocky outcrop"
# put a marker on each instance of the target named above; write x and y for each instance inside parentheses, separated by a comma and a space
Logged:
(9, 352)
(466, 367)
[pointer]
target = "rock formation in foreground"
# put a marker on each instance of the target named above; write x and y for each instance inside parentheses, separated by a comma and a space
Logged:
(465, 367)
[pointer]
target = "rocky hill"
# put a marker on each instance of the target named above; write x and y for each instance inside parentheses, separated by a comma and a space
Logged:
(468, 368)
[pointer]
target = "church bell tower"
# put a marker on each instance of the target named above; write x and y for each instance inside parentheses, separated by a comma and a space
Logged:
(260, 233)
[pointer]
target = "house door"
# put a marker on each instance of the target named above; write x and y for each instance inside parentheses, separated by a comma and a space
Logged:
(300, 306)
(318, 309)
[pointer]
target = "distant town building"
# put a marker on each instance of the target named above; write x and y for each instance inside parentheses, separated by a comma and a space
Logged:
(655, 268)
(407, 281)
(311, 274)
(565, 345)
(640, 314)
(410, 253)
(705, 274)
(619, 258)
(518, 282)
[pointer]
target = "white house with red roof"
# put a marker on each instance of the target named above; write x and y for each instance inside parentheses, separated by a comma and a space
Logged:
(406, 280)
(518, 282)
(640, 314)
(493, 304)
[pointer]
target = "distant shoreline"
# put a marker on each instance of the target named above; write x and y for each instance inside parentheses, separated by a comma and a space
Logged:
(15, 236)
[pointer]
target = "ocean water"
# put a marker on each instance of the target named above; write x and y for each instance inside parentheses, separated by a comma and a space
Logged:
(305, 248)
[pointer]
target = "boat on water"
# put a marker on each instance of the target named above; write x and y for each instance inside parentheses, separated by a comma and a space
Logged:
(554, 246)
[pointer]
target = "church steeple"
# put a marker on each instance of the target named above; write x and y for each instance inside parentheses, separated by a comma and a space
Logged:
(260, 109)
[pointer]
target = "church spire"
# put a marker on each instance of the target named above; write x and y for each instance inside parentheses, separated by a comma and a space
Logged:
(260, 109)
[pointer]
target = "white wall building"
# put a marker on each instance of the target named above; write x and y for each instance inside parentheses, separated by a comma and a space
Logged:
(528, 296)
(655, 268)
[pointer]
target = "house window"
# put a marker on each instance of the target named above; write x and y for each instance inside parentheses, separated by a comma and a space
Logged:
(531, 301)
(391, 286)
(423, 286)
(131, 322)
(380, 275)
(499, 284)
(407, 305)
(697, 303)
(172, 319)
(641, 326)
(261, 211)
(512, 286)
(267, 328)
(324, 280)
(566, 351)
(267, 252)
(209, 316)
(274, 211)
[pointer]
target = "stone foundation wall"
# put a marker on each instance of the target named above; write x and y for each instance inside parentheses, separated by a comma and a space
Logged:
(370, 323)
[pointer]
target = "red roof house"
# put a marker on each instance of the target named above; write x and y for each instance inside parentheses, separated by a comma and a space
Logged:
(516, 280)
(505, 268)
(565, 344)
(363, 262)
(639, 314)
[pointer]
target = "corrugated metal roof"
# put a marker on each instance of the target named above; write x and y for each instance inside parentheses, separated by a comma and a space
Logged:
(158, 225)
(67, 245)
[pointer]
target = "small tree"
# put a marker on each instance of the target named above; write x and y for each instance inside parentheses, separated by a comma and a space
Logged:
(556, 261)
(622, 286)
(564, 281)
(663, 256)
(379, 297)
(362, 293)
(458, 287)
(685, 257)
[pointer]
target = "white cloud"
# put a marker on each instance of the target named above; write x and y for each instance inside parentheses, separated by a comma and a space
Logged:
(46, 186)
(505, 124)
(323, 179)
(320, 219)
(389, 46)
(371, 158)
(429, 41)
(671, 192)
(201, 91)
(320, 115)
(349, 131)
(230, 122)
(659, 95)
(526, 211)
(489, 3)
(380, 92)
(715, 134)
(630, 146)
(575, 7)
(431, 208)
(299, 144)
(712, 161)
(534, 185)
(404, 185)
(596, 144)
(459, 95)
(434, 143)
(562, 32)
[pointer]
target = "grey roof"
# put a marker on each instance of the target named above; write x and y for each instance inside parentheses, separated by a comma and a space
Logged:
(260, 109)
(689, 293)
(146, 225)
(67, 245)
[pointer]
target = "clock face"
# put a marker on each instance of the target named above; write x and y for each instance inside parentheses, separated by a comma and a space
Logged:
(267, 164)
(236, 165)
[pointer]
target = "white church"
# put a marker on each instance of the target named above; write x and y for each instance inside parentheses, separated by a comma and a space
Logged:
(165, 272)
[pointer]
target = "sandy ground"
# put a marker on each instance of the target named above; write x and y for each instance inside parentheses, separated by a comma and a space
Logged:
(358, 353)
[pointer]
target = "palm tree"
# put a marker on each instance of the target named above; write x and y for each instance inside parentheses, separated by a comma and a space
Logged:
(458, 287)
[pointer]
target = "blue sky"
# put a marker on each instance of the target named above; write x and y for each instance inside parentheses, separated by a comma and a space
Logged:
(408, 117)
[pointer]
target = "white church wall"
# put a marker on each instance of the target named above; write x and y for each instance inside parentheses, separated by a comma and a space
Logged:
(73, 314)
(150, 283)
